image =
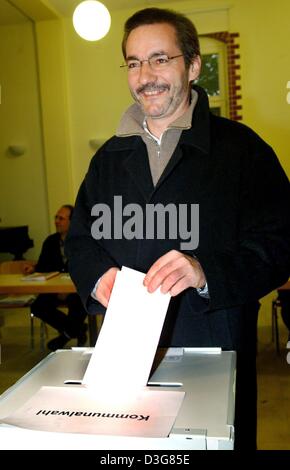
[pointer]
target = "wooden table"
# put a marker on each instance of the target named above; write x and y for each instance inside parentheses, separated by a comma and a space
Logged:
(61, 284)
(13, 284)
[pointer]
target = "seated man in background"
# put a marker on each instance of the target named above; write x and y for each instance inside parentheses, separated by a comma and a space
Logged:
(52, 258)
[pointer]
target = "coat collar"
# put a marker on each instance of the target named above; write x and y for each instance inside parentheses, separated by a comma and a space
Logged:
(136, 163)
(199, 133)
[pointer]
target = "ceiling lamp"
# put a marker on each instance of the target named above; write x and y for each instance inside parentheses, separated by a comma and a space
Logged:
(91, 20)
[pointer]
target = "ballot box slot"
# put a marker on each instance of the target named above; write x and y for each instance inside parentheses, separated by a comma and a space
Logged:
(165, 384)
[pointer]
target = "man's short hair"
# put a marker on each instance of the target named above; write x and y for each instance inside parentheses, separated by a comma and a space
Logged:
(186, 33)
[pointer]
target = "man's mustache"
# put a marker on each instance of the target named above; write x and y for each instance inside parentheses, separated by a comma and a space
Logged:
(148, 87)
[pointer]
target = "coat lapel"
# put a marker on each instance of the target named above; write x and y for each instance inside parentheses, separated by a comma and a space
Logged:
(137, 165)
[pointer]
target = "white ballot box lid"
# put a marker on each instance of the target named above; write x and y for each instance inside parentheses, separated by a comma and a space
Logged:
(205, 419)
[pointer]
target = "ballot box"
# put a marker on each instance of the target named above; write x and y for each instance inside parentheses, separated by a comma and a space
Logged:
(205, 419)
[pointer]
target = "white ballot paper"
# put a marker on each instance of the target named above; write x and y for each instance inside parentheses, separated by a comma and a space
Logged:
(113, 398)
(129, 336)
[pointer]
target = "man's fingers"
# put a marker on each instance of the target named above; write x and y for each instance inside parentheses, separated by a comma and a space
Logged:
(174, 272)
(171, 280)
(159, 264)
(167, 276)
(103, 296)
(104, 289)
(180, 286)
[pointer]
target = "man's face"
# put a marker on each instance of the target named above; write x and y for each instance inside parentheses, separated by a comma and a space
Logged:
(164, 93)
(62, 220)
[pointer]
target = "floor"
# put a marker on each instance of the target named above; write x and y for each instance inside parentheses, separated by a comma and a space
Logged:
(273, 392)
(273, 373)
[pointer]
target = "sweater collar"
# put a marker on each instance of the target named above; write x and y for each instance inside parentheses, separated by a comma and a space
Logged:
(133, 121)
(198, 135)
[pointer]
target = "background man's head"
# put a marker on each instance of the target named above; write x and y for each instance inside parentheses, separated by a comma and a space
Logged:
(62, 219)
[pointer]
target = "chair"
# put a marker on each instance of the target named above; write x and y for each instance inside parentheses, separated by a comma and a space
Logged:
(16, 267)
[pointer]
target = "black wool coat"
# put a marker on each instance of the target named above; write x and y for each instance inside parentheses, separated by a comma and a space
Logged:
(244, 242)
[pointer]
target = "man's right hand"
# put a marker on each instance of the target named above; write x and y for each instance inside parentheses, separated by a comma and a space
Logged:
(105, 286)
(28, 268)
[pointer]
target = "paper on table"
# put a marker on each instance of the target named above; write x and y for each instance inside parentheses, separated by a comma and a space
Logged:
(40, 276)
(129, 336)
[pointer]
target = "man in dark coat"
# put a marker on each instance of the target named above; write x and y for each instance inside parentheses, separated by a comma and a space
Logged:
(221, 199)
(45, 307)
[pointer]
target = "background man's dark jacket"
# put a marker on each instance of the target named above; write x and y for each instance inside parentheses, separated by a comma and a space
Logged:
(50, 258)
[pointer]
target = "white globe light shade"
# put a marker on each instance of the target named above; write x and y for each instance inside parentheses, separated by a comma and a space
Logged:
(91, 20)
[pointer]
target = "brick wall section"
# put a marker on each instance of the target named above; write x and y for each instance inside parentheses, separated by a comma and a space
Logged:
(230, 39)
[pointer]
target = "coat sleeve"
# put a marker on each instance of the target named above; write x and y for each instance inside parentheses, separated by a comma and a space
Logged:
(259, 261)
(87, 260)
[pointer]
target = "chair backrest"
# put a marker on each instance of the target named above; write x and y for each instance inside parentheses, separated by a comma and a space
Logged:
(285, 286)
(13, 267)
